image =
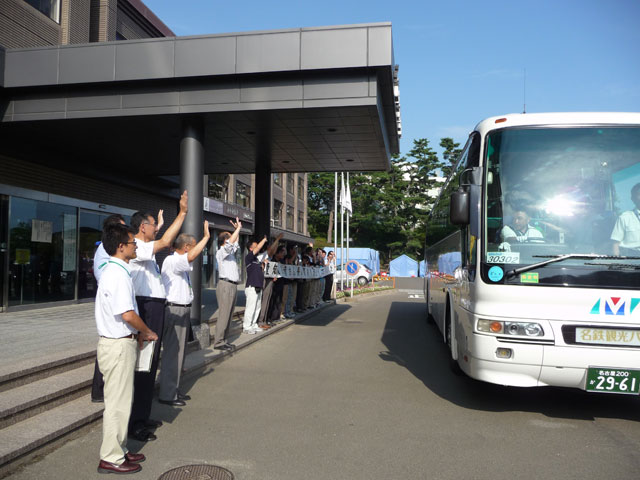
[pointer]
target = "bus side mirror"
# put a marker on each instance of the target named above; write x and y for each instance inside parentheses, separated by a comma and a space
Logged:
(459, 207)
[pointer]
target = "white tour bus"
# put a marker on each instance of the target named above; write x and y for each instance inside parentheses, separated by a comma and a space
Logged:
(533, 252)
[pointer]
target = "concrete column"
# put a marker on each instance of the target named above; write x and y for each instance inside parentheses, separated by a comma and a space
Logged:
(263, 198)
(191, 174)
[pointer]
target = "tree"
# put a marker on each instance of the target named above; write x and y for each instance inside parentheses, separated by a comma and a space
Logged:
(390, 209)
(449, 156)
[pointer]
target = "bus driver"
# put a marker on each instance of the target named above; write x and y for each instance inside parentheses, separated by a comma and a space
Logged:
(520, 231)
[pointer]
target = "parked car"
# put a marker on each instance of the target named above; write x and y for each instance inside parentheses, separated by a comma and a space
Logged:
(363, 276)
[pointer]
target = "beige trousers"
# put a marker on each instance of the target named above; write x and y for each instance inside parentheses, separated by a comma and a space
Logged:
(117, 360)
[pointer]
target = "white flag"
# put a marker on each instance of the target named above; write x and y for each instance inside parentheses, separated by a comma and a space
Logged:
(347, 200)
(342, 193)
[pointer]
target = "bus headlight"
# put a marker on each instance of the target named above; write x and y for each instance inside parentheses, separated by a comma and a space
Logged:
(523, 328)
(533, 330)
(526, 329)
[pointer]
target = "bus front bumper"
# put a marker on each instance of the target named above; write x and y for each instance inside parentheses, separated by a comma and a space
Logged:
(534, 365)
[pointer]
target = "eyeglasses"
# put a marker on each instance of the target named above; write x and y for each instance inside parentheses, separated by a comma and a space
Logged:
(149, 223)
(129, 243)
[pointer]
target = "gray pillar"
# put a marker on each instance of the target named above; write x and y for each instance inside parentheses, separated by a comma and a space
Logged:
(263, 198)
(191, 175)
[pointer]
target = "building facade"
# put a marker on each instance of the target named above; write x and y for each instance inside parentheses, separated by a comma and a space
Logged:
(51, 215)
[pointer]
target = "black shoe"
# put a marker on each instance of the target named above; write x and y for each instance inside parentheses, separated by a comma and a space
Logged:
(97, 400)
(151, 423)
(142, 435)
(173, 403)
(224, 346)
(183, 396)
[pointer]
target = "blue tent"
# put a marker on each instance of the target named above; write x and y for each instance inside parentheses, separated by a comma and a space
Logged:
(403, 266)
(448, 262)
(364, 256)
(422, 268)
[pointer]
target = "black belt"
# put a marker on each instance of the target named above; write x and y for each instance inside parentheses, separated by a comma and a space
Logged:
(230, 281)
(150, 299)
(171, 304)
(133, 335)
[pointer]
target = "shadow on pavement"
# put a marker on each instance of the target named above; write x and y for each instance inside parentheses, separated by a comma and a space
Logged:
(325, 316)
(417, 346)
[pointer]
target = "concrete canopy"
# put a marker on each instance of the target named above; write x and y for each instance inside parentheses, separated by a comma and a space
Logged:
(310, 99)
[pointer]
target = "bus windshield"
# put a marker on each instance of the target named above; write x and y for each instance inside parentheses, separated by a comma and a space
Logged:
(570, 193)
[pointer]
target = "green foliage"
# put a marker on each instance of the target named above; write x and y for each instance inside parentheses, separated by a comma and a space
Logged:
(390, 209)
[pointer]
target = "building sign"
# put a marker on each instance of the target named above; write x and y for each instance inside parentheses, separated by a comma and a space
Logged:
(213, 206)
(228, 210)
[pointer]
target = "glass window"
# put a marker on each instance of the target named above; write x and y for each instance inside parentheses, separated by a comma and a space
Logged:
(277, 179)
(290, 183)
(560, 191)
(289, 217)
(277, 213)
(218, 187)
(42, 252)
(300, 188)
(243, 194)
(300, 222)
(51, 8)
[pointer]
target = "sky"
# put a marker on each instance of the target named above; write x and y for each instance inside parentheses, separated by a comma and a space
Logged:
(462, 60)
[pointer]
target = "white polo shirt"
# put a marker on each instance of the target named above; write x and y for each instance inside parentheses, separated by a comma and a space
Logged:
(175, 277)
(627, 230)
(531, 234)
(115, 296)
(100, 260)
(227, 265)
(147, 280)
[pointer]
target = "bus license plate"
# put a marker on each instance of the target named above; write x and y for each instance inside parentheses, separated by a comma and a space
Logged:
(613, 380)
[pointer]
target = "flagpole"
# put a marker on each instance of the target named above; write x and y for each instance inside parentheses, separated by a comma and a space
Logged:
(348, 215)
(335, 227)
(342, 231)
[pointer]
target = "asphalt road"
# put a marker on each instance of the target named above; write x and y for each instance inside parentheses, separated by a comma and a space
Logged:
(363, 391)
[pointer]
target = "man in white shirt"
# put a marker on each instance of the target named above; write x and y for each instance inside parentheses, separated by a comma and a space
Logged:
(118, 326)
(626, 232)
(175, 277)
(100, 261)
(151, 299)
(227, 289)
(521, 231)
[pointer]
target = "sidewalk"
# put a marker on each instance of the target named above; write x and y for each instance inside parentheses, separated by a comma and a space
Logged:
(33, 337)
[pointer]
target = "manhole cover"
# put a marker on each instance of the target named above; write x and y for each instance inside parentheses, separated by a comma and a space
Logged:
(197, 472)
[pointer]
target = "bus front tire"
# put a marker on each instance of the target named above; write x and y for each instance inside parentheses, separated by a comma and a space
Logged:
(454, 366)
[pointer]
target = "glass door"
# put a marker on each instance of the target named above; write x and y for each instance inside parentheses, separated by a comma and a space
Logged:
(4, 251)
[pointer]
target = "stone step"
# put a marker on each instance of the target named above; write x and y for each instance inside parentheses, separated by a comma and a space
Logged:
(14, 375)
(20, 441)
(27, 400)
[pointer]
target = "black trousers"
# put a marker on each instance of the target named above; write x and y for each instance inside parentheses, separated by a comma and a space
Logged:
(300, 295)
(152, 312)
(328, 285)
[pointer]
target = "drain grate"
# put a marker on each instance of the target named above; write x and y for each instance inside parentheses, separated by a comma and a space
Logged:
(197, 472)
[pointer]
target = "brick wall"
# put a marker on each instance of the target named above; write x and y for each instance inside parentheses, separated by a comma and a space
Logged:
(22, 26)
(75, 23)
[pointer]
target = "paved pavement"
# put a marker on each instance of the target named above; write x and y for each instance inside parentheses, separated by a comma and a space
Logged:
(28, 337)
(362, 390)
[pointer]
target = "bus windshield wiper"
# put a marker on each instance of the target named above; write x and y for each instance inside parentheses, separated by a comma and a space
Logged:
(560, 258)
